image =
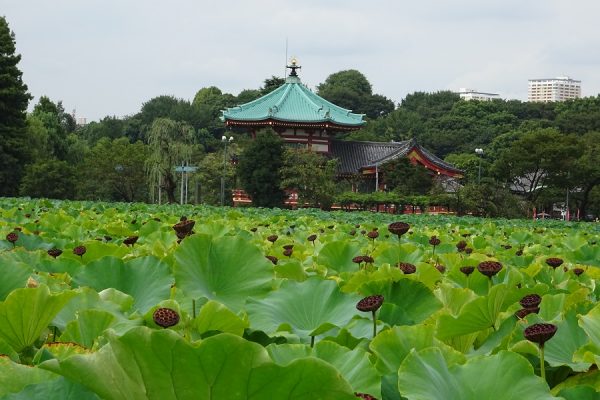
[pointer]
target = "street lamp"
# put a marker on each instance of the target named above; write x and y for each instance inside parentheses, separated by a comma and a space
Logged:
(225, 140)
(479, 152)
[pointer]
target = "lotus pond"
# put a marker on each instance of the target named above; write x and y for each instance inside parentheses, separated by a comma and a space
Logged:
(135, 301)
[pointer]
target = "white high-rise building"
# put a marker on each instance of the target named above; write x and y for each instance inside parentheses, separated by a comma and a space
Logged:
(472, 94)
(556, 89)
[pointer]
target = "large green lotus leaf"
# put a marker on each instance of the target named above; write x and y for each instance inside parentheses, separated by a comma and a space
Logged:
(87, 327)
(393, 345)
(6, 350)
(587, 255)
(59, 265)
(27, 312)
(394, 253)
(408, 302)
(146, 279)
(60, 388)
(568, 339)
(424, 375)
(453, 298)
(227, 269)
(290, 270)
(591, 379)
(580, 393)
(591, 325)
(309, 308)
(152, 364)
(337, 255)
(96, 250)
(214, 316)
(481, 313)
(354, 365)
(14, 275)
(88, 299)
(14, 377)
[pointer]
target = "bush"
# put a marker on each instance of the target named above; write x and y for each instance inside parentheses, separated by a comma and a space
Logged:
(49, 178)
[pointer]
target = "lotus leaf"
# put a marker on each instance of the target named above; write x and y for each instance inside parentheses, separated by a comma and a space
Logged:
(424, 375)
(60, 388)
(337, 255)
(147, 279)
(226, 269)
(309, 308)
(27, 312)
(354, 365)
(216, 317)
(146, 364)
(14, 377)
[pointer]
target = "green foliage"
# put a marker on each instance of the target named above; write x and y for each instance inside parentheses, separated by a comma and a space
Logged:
(312, 175)
(245, 324)
(259, 169)
(488, 199)
(351, 89)
(50, 178)
(271, 84)
(14, 98)
(542, 156)
(402, 176)
(114, 170)
(170, 142)
(211, 169)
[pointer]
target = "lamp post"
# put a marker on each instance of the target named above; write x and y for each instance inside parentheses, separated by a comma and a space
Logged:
(225, 140)
(479, 152)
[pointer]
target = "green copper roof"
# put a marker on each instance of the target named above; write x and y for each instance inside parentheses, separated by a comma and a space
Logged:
(293, 102)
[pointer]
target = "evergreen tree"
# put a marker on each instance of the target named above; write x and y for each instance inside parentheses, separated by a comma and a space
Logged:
(14, 98)
(259, 170)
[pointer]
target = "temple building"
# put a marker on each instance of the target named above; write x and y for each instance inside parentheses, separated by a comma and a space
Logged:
(305, 120)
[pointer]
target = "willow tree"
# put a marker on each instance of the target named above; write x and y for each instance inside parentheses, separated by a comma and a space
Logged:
(170, 145)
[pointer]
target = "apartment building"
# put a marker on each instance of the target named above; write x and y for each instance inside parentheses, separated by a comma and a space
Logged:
(555, 89)
(472, 94)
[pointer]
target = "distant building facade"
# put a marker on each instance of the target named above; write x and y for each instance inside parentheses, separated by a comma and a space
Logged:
(555, 89)
(472, 94)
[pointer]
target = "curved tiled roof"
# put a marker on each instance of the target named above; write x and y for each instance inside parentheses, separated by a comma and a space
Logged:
(293, 102)
(355, 156)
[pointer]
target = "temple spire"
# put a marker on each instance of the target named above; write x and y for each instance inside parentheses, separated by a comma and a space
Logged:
(294, 66)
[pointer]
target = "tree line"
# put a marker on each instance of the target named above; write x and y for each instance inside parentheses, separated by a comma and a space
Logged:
(540, 151)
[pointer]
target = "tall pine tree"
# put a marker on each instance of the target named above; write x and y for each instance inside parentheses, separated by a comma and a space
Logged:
(13, 106)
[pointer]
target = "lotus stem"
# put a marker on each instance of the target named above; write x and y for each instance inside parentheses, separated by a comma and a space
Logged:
(54, 334)
(542, 366)
(194, 308)
(374, 324)
(312, 342)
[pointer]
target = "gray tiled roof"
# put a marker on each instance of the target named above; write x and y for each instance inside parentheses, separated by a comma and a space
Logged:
(354, 156)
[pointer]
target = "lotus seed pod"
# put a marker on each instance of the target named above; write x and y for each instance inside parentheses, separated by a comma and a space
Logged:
(165, 317)
(370, 303)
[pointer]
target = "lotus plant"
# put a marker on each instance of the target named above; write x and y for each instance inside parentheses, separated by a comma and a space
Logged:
(371, 303)
(79, 251)
(184, 228)
(554, 262)
(165, 317)
(540, 334)
(407, 268)
(364, 396)
(54, 252)
(530, 304)
(12, 238)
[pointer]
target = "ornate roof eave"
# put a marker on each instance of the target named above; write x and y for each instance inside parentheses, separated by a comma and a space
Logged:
(432, 162)
(292, 124)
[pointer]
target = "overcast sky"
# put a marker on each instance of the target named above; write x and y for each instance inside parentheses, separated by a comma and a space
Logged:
(107, 57)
